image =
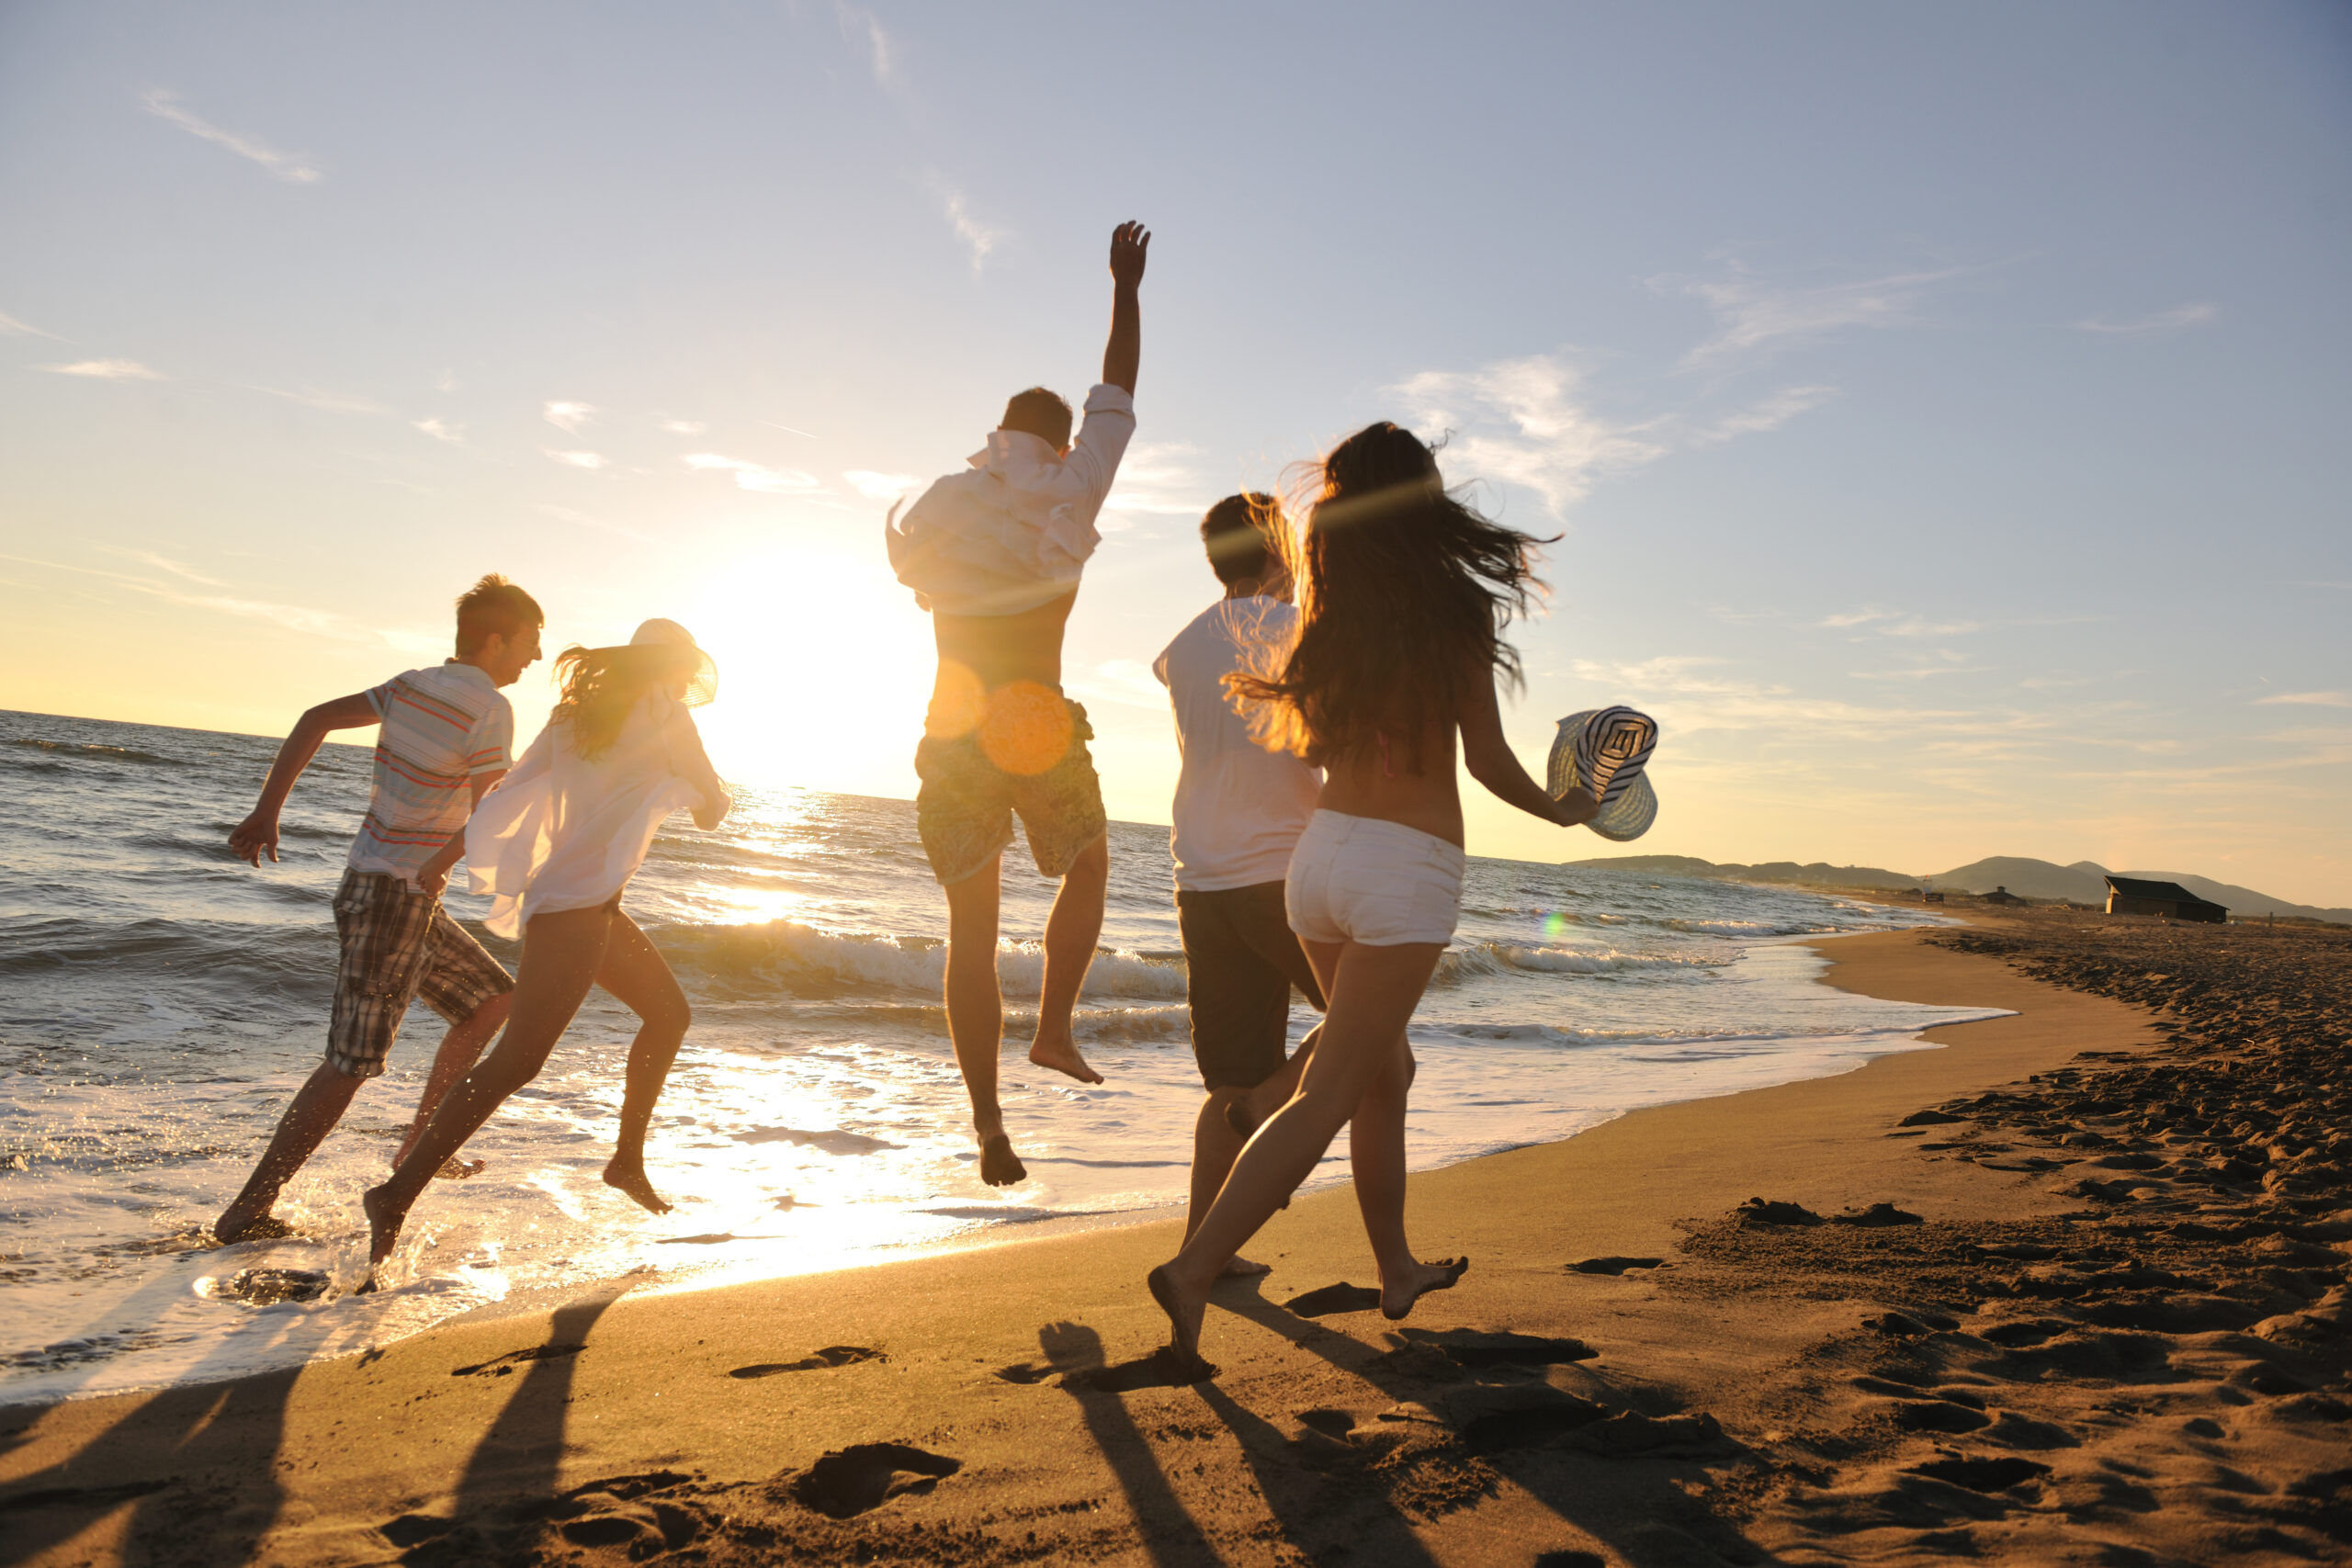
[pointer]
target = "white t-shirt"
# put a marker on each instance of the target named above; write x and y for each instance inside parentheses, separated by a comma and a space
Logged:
(1239, 809)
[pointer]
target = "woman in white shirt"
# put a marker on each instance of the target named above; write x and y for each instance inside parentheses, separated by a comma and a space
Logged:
(554, 845)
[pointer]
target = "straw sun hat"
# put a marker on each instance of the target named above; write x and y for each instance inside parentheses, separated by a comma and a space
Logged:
(658, 633)
(1607, 751)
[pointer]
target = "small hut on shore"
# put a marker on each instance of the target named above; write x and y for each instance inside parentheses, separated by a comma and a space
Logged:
(2132, 896)
(2002, 895)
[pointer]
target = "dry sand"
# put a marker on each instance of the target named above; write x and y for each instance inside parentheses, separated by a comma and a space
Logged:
(2118, 1336)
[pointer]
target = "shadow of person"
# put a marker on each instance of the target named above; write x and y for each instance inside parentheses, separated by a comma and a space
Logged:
(1168, 1532)
(1646, 1508)
(519, 1458)
(163, 1456)
(1294, 1482)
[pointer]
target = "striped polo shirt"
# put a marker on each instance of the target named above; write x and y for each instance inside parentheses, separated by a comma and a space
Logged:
(441, 728)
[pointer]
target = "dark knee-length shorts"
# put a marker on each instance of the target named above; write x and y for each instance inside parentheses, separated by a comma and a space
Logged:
(1242, 959)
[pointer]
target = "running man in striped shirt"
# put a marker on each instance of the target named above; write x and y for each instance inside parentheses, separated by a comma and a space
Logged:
(446, 735)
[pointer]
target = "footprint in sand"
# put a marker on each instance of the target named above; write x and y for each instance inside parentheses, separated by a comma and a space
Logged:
(1614, 1266)
(1480, 1347)
(850, 1481)
(1328, 1299)
(504, 1366)
(830, 1355)
(1162, 1369)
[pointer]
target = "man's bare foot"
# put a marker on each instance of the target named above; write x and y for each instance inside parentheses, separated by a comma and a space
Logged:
(384, 1224)
(1240, 1268)
(1000, 1167)
(1184, 1315)
(456, 1169)
(232, 1228)
(1397, 1299)
(630, 1177)
(1062, 1055)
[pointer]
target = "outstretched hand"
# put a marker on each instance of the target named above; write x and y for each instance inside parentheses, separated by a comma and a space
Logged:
(1130, 248)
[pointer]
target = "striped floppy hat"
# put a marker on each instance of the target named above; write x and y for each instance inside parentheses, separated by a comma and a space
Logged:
(1607, 751)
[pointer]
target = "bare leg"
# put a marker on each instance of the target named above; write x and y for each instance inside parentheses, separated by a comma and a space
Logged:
(318, 1105)
(1376, 1151)
(562, 955)
(1245, 1115)
(976, 1017)
(1374, 991)
(1072, 931)
(460, 1048)
(636, 971)
(1215, 1143)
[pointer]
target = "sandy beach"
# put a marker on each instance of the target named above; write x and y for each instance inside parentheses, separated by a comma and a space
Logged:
(2071, 1289)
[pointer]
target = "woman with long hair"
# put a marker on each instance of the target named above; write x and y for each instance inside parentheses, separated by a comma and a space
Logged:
(1403, 593)
(555, 844)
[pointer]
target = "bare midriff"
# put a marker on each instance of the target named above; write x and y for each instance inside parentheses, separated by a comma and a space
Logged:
(1002, 649)
(1376, 781)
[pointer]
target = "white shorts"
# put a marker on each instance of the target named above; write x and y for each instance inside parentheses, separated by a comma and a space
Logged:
(1378, 884)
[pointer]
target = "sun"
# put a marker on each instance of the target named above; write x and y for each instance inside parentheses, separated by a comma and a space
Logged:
(825, 666)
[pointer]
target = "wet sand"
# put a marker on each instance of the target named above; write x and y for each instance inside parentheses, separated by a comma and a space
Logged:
(2070, 1289)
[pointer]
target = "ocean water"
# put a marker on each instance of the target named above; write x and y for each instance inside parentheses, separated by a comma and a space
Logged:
(160, 1001)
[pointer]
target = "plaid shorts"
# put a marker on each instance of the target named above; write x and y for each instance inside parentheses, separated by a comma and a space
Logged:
(398, 947)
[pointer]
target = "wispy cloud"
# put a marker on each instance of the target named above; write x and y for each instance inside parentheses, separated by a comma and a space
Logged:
(569, 417)
(106, 370)
(149, 557)
(1753, 316)
(334, 402)
(1126, 681)
(2171, 320)
(1526, 422)
(578, 459)
(441, 430)
(862, 28)
(1160, 476)
(1896, 623)
(683, 427)
(285, 165)
(979, 239)
(878, 486)
(11, 327)
(2307, 699)
(1766, 413)
(753, 476)
(294, 617)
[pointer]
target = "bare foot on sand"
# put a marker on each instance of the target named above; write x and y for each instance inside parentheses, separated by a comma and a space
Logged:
(383, 1231)
(1240, 1268)
(630, 1177)
(233, 1227)
(1397, 1299)
(1062, 1055)
(456, 1169)
(1000, 1167)
(1184, 1315)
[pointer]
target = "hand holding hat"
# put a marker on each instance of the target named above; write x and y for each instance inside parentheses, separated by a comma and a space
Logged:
(1606, 751)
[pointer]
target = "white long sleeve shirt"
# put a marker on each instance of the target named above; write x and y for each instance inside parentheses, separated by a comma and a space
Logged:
(1013, 530)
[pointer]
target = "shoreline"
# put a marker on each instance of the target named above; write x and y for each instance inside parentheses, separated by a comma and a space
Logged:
(458, 1437)
(650, 1283)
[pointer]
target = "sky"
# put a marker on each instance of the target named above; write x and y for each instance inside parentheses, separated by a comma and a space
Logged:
(1942, 411)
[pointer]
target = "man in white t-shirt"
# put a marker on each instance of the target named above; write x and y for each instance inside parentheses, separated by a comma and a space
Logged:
(1238, 810)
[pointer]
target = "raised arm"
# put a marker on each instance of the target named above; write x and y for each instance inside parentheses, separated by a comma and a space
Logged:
(258, 831)
(1130, 247)
(1492, 763)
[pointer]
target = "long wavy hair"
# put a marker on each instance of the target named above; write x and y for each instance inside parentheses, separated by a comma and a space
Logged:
(1404, 591)
(601, 684)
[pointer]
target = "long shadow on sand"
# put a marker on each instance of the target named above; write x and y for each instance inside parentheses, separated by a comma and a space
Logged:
(1168, 1531)
(1634, 1505)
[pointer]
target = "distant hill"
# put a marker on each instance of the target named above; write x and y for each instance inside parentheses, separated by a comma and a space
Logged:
(1820, 874)
(2081, 882)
